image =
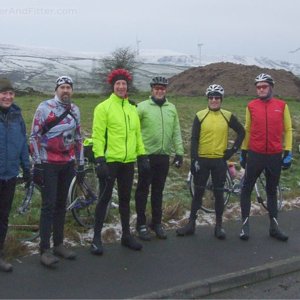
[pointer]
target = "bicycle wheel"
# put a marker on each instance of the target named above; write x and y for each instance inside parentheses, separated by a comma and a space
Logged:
(261, 194)
(83, 199)
(208, 199)
(25, 213)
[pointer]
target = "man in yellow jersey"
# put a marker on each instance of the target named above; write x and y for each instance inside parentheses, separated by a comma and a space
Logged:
(209, 154)
(267, 121)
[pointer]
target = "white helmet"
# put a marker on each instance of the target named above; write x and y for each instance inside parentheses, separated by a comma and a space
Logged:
(215, 89)
(264, 78)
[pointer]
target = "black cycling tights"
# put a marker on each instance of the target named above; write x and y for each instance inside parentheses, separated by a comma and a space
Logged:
(256, 164)
(216, 167)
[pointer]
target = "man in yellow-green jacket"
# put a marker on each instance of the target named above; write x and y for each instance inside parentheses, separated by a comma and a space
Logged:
(162, 137)
(117, 145)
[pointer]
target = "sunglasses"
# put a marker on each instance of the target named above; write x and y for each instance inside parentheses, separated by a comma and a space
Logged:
(159, 88)
(264, 86)
(214, 97)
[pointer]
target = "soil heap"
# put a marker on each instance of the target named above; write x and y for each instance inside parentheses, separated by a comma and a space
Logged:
(237, 80)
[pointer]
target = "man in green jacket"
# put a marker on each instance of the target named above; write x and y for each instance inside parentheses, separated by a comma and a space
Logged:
(161, 136)
(117, 144)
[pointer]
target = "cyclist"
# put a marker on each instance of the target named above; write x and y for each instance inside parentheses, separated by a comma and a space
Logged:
(13, 153)
(209, 154)
(161, 133)
(56, 144)
(267, 120)
(117, 144)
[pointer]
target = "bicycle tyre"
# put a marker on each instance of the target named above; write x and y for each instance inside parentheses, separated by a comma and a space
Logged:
(208, 200)
(83, 208)
(25, 213)
(261, 194)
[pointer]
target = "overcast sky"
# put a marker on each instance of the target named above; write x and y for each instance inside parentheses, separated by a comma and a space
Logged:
(268, 28)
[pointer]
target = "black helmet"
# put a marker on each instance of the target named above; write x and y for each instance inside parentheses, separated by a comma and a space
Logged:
(159, 80)
(264, 78)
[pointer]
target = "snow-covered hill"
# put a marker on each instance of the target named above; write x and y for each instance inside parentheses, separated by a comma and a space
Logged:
(39, 67)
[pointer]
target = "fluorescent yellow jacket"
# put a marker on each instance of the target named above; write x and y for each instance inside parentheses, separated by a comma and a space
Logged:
(116, 131)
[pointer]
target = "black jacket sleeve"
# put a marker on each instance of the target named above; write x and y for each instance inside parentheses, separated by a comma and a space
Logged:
(239, 129)
(195, 138)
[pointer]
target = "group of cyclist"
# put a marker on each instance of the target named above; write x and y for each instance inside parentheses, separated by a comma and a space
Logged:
(124, 133)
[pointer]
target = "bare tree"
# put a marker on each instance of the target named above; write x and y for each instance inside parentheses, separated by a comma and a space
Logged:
(121, 58)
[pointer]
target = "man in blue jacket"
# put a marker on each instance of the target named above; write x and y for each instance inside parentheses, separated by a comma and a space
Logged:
(13, 153)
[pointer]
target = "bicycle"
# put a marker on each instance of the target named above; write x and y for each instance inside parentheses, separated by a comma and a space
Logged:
(233, 185)
(24, 217)
(83, 197)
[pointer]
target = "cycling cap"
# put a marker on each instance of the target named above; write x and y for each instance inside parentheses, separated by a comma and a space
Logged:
(118, 74)
(264, 78)
(64, 80)
(215, 90)
(159, 80)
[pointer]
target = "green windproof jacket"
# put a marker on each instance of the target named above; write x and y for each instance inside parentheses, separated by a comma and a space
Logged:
(116, 131)
(160, 128)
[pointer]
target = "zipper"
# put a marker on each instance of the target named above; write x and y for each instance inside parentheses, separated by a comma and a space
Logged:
(126, 128)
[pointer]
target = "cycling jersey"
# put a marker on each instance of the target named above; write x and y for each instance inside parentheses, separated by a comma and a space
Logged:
(210, 133)
(63, 142)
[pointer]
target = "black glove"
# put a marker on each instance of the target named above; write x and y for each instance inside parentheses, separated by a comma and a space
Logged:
(178, 160)
(80, 173)
(143, 164)
(228, 153)
(195, 167)
(243, 158)
(286, 160)
(102, 168)
(38, 174)
(27, 178)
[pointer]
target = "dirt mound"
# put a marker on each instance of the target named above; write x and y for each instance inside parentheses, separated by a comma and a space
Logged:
(237, 80)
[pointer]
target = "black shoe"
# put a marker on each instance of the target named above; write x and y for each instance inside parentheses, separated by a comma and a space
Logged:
(130, 242)
(187, 229)
(96, 247)
(275, 232)
(143, 233)
(244, 234)
(159, 231)
(220, 232)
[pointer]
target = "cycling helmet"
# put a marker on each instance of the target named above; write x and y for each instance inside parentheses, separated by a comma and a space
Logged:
(215, 90)
(159, 80)
(118, 74)
(64, 80)
(264, 78)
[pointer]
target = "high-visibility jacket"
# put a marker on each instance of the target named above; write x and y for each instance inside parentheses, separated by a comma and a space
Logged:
(160, 128)
(116, 131)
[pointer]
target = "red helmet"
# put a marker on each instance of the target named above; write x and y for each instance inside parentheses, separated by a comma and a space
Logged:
(118, 74)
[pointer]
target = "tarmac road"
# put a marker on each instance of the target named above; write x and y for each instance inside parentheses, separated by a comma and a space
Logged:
(179, 267)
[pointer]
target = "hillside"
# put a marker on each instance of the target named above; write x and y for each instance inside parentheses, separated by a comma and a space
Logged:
(38, 68)
(237, 80)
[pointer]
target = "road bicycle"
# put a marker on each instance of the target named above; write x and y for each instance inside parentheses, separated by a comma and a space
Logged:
(233, 185)
(83, 197)
(82, 201)
(25, 212)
